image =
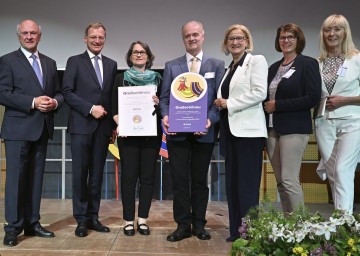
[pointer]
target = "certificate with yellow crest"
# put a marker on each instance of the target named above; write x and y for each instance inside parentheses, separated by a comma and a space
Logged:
(136, 108)
(188, 103)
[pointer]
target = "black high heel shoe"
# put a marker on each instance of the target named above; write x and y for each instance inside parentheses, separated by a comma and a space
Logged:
(129, 232)
(143, 231)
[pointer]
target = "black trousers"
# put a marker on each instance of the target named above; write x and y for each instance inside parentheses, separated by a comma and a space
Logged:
(25, 162)
(189, 164)
(138, 157)
(88, 159)
(243, 168)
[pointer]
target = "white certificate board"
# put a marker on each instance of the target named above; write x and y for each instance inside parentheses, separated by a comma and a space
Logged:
(136, 108)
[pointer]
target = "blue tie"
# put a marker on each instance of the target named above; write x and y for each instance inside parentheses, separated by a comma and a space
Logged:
(97, 69)
(36, 68)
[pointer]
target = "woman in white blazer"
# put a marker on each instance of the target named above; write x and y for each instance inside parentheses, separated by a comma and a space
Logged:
(242, 124)
(338, 129)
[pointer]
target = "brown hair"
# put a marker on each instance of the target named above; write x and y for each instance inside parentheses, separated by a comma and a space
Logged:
(94, 25)
(296, 31)
(150, 55)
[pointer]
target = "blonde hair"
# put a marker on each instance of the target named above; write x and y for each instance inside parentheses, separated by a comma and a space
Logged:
(248, 36)
(347, 48)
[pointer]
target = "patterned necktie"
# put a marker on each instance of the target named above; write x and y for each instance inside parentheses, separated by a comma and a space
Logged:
(194, 65)
(36, 68)
(97, 69)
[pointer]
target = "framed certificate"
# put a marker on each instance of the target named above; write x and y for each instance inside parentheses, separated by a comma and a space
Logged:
(136, 108)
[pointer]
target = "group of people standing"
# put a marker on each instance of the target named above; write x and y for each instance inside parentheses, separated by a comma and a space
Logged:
(253, 106)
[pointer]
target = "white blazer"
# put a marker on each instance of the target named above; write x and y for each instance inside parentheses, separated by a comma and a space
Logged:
(347, 84)
(248, 89)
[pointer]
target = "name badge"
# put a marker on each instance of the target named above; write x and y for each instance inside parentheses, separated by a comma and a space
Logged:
(209, 75)
(289, 73)
(342, 71)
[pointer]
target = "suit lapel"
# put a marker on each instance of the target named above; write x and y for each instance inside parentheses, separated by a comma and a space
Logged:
(345, 64)
(44, 69)
(183, 64)
(240, 71)
(22, 59)
(204, 65)
(90, 67)
(106, 71)
(293, 66)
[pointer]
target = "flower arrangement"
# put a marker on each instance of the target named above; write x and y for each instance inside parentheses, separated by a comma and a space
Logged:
(266, 231)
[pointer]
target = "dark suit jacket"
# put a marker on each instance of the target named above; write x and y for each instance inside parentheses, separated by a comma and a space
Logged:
(81, 90)
(208, 65)
(19, 86)
(295, 96)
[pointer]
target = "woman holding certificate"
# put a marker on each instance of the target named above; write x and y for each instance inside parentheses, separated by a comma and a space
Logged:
(338, 130)
(242, 124)
(294, 86)
(138, 154)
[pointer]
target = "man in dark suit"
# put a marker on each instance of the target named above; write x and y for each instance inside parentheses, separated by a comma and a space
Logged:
(190, 153)
(87, 86)
(30, 92)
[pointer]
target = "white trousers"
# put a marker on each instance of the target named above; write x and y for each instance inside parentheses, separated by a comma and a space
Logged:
(339, 145)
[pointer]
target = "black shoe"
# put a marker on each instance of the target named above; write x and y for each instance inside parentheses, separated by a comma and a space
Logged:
(143, 231)
(10, 239)
(129, 232)
(96, 225)
(18, 231)
(81, 230)
(179, 234)
(201, 233)
(39, 231)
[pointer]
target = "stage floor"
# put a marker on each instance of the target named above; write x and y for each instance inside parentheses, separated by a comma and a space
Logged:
(57, 217)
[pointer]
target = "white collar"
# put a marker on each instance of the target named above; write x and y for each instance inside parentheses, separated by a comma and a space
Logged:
(28, 54)
(93, 55)
(189, 56)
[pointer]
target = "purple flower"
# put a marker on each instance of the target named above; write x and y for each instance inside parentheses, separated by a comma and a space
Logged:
(317, 252)
(243, 229)
(330, 249)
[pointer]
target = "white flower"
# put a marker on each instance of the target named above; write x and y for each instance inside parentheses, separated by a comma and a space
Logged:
(324, 228)
(289, 236)
(337, 221)
(277, 233)
(300, 235)
(357, 226)
(349, 219)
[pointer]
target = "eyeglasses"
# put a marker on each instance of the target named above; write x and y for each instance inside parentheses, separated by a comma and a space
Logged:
(100, 38)
(289, 38)
(238, 38)
(136, 53)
